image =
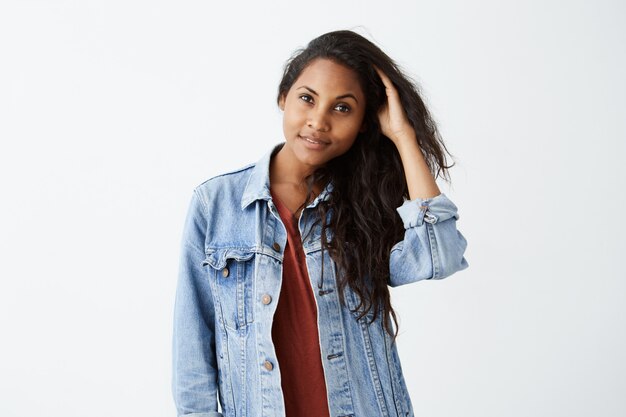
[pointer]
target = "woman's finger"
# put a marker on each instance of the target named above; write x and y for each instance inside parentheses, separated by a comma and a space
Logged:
(386, 80)
(382, 76)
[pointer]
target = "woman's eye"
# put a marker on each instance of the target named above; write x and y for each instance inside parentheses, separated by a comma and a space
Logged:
(341, 107)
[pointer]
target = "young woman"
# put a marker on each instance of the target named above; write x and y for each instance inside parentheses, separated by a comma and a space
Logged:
(282, 306)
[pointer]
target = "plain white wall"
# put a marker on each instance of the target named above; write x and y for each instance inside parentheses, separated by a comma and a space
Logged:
(111, 112)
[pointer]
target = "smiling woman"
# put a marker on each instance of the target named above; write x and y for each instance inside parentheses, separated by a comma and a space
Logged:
(283, 307)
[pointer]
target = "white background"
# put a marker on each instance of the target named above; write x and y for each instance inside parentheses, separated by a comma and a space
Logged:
(111, 112)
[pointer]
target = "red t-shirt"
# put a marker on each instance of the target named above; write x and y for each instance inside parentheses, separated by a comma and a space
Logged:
(295, 333)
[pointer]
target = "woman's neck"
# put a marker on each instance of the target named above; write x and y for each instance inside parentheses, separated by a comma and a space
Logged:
(286, 171)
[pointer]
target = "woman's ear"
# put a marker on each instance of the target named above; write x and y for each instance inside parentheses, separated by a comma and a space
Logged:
(281, 102)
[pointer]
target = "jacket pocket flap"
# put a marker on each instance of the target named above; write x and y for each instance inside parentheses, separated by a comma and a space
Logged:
(219, 257)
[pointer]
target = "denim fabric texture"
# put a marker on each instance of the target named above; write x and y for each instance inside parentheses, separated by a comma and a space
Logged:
(228, 286)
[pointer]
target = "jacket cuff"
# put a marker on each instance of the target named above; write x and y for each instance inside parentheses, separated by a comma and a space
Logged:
(209, 414)
(430, 210)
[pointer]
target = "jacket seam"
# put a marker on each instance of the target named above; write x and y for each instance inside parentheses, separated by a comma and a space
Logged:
(373, 369)
(231, 172)
(433, 251)
(205, 206)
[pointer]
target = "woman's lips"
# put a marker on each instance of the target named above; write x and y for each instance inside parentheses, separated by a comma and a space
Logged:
(313, 141)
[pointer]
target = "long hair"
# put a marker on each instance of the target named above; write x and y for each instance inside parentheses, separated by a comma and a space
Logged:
(368, 180)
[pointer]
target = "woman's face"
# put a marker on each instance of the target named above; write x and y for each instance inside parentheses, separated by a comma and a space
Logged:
(323, 112)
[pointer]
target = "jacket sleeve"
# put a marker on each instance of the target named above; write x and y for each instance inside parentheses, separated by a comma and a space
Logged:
(194, 365)
(432, 247)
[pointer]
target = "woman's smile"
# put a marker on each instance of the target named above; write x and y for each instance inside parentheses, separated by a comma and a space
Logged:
(314, 143)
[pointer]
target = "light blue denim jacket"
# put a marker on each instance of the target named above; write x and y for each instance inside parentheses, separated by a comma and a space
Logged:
(231, 261)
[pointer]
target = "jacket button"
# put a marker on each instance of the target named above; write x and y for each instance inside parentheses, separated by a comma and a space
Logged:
(225, 272)
(266, 299)
(276, 246)
(268, 365)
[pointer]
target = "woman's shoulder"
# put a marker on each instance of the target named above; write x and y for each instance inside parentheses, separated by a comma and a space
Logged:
(226, 188)
(231, 176)
(242, 184)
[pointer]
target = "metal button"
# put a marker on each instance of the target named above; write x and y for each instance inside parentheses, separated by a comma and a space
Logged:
(225, 272)
(276, 246)
(266, 299)
(268, 365)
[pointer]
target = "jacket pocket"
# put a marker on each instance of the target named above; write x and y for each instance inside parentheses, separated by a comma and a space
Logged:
(232, 275)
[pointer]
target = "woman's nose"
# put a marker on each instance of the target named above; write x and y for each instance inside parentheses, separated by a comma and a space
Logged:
(317, 121)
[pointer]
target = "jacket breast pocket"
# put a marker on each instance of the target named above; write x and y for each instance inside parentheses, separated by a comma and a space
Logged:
(232, 279)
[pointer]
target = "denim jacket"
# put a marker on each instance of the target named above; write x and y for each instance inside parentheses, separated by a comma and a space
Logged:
(228, 287)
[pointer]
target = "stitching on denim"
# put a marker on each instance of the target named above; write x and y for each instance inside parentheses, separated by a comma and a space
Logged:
(433, 251)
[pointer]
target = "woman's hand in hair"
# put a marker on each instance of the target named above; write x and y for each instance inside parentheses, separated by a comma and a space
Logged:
(392, 118)
(396, 126)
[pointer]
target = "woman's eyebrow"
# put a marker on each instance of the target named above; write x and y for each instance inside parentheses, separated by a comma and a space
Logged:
(338, 97)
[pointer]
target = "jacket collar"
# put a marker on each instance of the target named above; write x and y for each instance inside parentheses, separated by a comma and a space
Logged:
(258, 186)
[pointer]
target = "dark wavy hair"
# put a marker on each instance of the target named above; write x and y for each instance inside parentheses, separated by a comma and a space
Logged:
(368, 180)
